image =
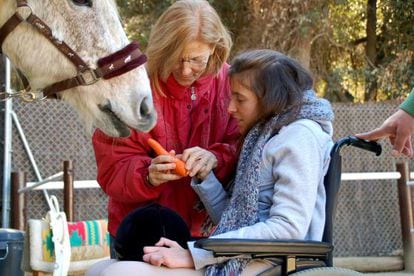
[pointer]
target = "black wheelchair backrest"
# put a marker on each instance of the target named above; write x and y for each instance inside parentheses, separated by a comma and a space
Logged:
(332, 180)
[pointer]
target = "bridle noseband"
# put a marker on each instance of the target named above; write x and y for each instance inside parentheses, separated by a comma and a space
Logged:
(120, 62)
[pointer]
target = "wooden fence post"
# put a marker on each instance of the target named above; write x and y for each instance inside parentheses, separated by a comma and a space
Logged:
(18, 181)
(68, 189)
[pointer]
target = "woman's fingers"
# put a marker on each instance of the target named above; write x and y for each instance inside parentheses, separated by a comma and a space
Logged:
(167, 242)
(197, 167)
(163, 159)
(160, 170)
(191, 155)
(151, 249)
(161, 167)
(153, 258)
(202, 174)
(160, 245)
(157, 178)
(168, 253)
(173, 257)
(199, 161)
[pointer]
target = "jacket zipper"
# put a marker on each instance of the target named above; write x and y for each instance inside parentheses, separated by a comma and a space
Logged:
(193, 96)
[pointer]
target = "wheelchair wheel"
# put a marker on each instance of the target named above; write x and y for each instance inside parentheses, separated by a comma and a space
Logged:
(331, 271)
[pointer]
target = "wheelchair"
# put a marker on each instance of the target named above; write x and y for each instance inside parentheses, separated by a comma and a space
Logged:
(298, 257)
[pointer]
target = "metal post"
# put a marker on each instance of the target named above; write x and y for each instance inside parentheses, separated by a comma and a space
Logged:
(68, 189)
(8, 108)
(29, 154)
(18, 204)
(406, 215)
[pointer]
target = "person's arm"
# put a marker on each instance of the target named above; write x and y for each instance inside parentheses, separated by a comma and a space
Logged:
(294, 197)
(297, 159)
(398, 128)
(212, 195)
(122, 165)
(297, 171)
(219, 157)
(170, 254)
(202, 258)
(408, 104)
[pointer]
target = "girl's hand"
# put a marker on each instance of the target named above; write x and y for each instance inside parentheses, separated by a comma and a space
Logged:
(199, 162)
(168, 253)
(160, 169)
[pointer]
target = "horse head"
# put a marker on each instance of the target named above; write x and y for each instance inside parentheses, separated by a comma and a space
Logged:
(90, 32)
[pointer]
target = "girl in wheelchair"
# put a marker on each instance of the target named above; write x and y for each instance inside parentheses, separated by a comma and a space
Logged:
(278, 190)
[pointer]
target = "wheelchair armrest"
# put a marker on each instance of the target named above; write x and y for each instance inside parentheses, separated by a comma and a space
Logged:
(273, 248)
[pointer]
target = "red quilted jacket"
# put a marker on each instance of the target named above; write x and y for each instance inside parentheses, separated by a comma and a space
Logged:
(183, 122)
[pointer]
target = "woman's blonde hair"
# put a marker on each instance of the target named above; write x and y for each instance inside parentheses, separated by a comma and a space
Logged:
(183, 22)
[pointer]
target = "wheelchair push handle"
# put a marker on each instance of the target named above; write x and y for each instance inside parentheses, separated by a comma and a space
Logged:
(360, 143)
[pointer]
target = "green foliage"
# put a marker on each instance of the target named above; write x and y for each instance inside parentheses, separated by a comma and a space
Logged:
(329, 33)
(344, 50)
(139, 15)
(348, 20)
(234, 15)
(396, 48)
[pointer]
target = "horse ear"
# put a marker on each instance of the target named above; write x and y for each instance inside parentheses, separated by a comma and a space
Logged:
(122, 61)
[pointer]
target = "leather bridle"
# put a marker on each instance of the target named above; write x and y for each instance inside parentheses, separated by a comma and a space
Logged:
(116, 64)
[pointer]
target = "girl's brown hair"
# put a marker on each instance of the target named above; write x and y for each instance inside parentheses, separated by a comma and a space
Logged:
(278, 80)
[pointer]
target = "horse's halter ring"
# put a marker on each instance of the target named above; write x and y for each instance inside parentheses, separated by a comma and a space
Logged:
(110, 66)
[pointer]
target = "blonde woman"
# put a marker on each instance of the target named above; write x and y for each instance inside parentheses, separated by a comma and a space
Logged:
(187, 53)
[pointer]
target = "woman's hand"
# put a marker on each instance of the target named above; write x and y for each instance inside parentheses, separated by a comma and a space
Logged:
(160, 169)
(199, 162)
(168, 253)
(398, 128)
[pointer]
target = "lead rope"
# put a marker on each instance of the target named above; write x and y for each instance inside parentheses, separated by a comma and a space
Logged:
(60, 237)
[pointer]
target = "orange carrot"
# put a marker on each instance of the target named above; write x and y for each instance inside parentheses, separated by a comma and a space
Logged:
(159, 150)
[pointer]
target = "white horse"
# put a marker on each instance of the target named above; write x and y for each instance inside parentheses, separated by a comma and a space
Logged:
(92, 30)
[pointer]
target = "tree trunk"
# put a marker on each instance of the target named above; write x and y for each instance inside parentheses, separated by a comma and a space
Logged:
(371, 51)
(302, 50)
(287, 26)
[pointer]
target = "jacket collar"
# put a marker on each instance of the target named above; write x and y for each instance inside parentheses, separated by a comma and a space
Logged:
(175, 90)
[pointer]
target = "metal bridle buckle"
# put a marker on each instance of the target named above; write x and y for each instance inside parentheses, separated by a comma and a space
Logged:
(87, 77)
(24, 95)
(28, 97)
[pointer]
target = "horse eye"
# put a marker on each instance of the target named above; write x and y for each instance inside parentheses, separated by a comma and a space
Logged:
(83, 2)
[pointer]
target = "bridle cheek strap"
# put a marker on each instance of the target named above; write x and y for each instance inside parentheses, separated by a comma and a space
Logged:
(9, 27)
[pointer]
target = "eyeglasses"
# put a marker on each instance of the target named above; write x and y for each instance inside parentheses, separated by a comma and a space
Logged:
(196, 63)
